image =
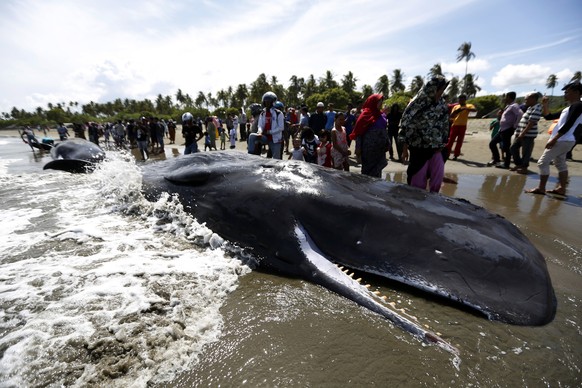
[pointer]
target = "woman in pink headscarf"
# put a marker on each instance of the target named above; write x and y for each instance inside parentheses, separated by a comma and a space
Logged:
(371, 136)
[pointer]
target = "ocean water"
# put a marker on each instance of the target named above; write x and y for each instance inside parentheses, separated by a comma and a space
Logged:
(99, 287)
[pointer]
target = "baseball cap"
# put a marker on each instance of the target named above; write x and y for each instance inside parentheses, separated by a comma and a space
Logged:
(573, 85)
(320, 104)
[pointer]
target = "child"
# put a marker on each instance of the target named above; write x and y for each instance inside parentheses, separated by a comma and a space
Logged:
(324, 150)
(310, 143)
(297, 152)
(207, 143)
(232, 138)
(340, 151)
(223, 139)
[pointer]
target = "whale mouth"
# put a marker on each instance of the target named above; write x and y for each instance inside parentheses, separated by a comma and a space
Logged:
(341, 280)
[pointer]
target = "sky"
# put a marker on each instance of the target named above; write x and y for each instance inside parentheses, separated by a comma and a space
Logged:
(82, 50)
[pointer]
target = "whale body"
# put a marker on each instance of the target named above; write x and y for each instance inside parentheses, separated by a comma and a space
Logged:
(301, 220)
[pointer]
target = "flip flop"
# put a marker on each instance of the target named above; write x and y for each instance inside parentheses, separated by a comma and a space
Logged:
(536, 191)
(556, 192)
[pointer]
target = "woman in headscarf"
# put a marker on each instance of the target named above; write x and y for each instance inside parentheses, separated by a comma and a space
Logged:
(424, 134)
(371, 136)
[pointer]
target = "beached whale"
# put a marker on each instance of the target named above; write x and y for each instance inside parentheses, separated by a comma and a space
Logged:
(300, 220)
(75, 155)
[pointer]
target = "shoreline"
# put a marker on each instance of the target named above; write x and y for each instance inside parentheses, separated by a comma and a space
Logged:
(474, 158)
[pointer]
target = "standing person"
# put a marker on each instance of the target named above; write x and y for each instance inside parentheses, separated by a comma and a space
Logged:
(310, 143)
(271, 124)
(350, 121)
(330, 117)
(394, 117)
(160, 132)
(324, 157)
(191, 132)
(424, 134)
(210, 134)
(63, 132)
(93, 133)
(232, 137)
(371, 136)
(459, 117)
(339, 138)
(507, 124)
(318, 119)
(223, 139)
(141, 137)
(561, 140)
(526, 133)
(242, 121)
(298, 152)
(172, 131)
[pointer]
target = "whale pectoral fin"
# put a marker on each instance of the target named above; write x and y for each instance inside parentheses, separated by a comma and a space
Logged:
(192, 176)
(327, 274)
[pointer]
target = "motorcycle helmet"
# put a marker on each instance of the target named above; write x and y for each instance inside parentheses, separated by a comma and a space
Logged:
(187, 117)
(269, 96)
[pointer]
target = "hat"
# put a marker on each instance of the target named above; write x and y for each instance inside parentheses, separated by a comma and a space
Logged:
(573, 85)
(320, 104)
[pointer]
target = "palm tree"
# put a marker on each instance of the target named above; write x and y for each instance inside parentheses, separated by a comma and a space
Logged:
(551, 82)
(397, 85)
(416, 84)
(201, 99)
(577, 77)
(382, 85)
(435, 70)
(453, 89)
(349, 82)
(469, 86)
(464, 52)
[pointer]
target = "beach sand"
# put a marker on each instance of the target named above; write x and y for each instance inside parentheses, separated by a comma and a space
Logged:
(474, 158)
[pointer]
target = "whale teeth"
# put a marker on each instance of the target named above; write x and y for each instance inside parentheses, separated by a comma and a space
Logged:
(351, 275)
(392, 304)
(345, 271)
(341, 267)
(367, 285)
(384, 297)
(376, 292)
(359, 280)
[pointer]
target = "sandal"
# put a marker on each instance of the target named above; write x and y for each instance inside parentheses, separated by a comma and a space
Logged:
(537, 190)
(557, 192)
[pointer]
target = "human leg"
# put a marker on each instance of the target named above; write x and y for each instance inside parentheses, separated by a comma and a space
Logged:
(494, 149)
(436, 172)
(276, 150)
(461, 130)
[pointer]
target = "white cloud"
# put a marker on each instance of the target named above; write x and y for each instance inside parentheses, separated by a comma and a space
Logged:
(517, 75)
(474, 66)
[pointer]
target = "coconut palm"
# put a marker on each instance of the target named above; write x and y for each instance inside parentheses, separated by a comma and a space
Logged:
(382, 85)
(397, 85)
(435, 70)
(551, 82)
(416, 84)
(464, 52)
(349, 82)
(577, 77)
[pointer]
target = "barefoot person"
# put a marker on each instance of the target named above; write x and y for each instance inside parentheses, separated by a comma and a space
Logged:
(561, 140)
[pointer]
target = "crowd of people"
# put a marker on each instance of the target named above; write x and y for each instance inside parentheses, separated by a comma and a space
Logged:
(424, 135)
